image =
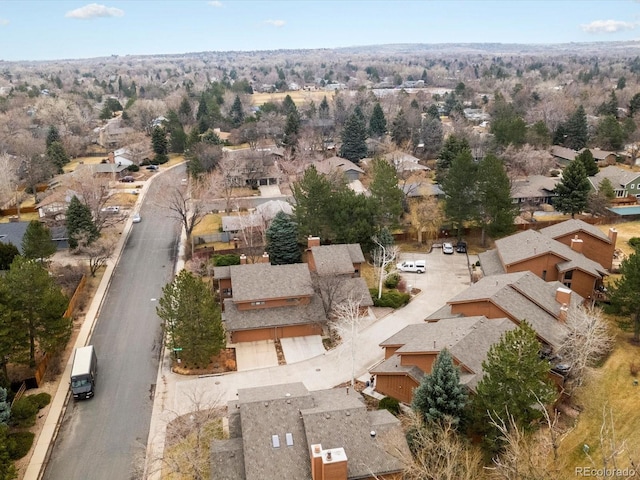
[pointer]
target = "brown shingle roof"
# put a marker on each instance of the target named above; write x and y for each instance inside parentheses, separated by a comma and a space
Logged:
(263, 281)
(573, 226)
(235, 319)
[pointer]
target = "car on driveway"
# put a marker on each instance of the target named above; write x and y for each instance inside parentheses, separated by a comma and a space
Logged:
(152, 167)
(412, 266)
(127, 179)
(461, 247)
(447, 248)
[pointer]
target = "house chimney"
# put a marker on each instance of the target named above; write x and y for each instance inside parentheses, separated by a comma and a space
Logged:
(316, 462)
(563, 296)
(265, 258)
(576, 244)
(613, 236)
(562, 316)
(334, 464)
(313, 241)
(243, 259)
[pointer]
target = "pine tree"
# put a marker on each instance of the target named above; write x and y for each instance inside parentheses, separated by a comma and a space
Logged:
(453, 146)
(8, 251)
(185, 112)
(323, 110)
(354, 139)
(589, 163)
(576, 130)
(289, 106)
(192, 319)
(572, 191)
(159, 144)
(313, 204)
(625, 299)
(609, 133)
(377, 123)
(384, 190)
(440, 396)
(36, 242)
(5, 407)
(460, 188)
(497, 211)
(515, 378)
(7, 468)
(291, 130)
(177, 135)
(52, 136)
(400, 133)
(80, 225)
(236, 114)
(57, 156)
(606, 189)
(282, 240)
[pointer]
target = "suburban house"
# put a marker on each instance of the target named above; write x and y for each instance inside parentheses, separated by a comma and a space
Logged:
(54, 206)
(112, 134)
(596, 245)
(534, 190)
(254, 167)
(625, 182)
(287, 432)
(410, 353)
(335, 270)
(403, 162)
(604, 157)
(12, 233)
(268, 302)
(549, 259)
(260, 218)
(331, 165)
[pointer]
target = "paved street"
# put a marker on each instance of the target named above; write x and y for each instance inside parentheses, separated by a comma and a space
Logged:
(446, 276)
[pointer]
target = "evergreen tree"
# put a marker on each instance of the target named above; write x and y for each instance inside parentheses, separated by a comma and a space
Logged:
(282, 240)
(185, 112)
(576, 130)
(192, 319)
(538, 134)
(610, 107)
(384, 190)
(8, 251)
(507, 126)
(52, 136)
(440, 396)
(453, 146)
(354, 139)
(289, 106)
(433, 112)
(572, 191)
(377, 123)
(624, 297)
(291, 130)
(57, 156)
(497, 211)
(323, 110)
(353, 218)
(400, 132)
(80, 223)
(177, 135)
(159, 144)
(515, 378)
(606, 189)
(236, 114)
(5, 408)
(609, 134)
(7, 468)
(313, 204)
(36, 242)
(634, 105)
(431, 136)
(460, 189)
(38, 305)
(589, 163)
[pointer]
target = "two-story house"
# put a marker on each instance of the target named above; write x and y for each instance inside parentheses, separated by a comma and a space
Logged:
(284, 431)
(626, 183)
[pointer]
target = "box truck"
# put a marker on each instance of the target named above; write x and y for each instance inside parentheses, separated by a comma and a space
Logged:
(83, 372)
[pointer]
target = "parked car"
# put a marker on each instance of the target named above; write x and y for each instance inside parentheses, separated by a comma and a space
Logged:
(136, 218)
(412, 266)
(127, 179)
(152, 167)
(111, 209)
(447, 248)
(461, 247)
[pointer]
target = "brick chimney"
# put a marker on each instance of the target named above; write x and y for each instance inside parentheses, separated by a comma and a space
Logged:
(613, 236)
(243, 259)
(563, 296)
(265, 258)
(576, 244)
(329, 464)
(313, 241)
(562, 316)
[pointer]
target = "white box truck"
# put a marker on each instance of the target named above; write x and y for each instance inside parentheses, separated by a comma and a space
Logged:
(83, 372)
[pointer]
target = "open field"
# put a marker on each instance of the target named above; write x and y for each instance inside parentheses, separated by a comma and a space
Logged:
(299, 97)
(73, 164)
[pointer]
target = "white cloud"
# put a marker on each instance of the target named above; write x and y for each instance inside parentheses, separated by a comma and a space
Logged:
(275, 23)
(94, 10)
(215, 3)
(607, 26)
(4, 21)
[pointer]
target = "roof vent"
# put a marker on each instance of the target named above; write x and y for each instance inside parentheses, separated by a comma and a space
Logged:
(372, 433)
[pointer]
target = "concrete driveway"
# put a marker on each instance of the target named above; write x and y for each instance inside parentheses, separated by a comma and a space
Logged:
(252, 355)
(297, 349)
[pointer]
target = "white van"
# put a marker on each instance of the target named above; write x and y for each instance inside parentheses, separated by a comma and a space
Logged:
(412, 266)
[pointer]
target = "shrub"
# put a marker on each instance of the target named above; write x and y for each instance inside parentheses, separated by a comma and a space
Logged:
(391, 404)
(19, 444)
(133, 168)
(392, 281)
(23, 412)
(225, 260)
(391, 298)
(41, 399)
(634, 242)
(555, 173)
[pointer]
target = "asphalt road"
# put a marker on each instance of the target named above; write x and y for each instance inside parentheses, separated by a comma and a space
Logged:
(105, 437)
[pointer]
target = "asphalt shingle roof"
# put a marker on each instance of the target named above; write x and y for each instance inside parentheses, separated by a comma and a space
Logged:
(13, 232)
(263, 281)
(574, 226)
(619, 177)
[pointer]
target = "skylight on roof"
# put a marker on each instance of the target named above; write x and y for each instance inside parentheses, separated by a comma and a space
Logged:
(289, 438)
(275, 440)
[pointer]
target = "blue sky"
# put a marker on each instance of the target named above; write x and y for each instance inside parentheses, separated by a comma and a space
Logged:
(48, 30)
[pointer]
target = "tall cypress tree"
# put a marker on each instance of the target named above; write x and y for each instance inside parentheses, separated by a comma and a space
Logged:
(440, 396)
(377, 123)
(572, 191)
(282, 240)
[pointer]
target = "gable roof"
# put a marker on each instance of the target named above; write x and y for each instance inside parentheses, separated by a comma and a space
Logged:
(574, 226)
(523, 296)
(531, 244)
(13, 232)
(563, 152)
(332, 418)
(337, 259)
(263, 281)
(619, 177)
(333, 164)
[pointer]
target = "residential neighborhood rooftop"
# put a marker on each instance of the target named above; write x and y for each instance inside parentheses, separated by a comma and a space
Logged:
(260, 281)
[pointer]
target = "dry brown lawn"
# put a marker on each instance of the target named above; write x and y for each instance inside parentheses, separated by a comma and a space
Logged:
(300, 97)
(625, 232)
(72, 165)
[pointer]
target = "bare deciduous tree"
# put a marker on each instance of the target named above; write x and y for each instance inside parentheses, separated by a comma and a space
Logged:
(97, 252)
(426, 216)
(93, 191)
(332, 289)
(182, 207)
(383, 256)
(347, 317)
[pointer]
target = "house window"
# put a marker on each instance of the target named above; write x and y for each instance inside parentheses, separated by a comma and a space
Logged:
(226, 292)
(567, 278)
(632, 186)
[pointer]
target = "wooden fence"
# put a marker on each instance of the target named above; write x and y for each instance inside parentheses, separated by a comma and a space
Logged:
(5, 212)
(19, 393)
(74, 299)
(41, 369)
